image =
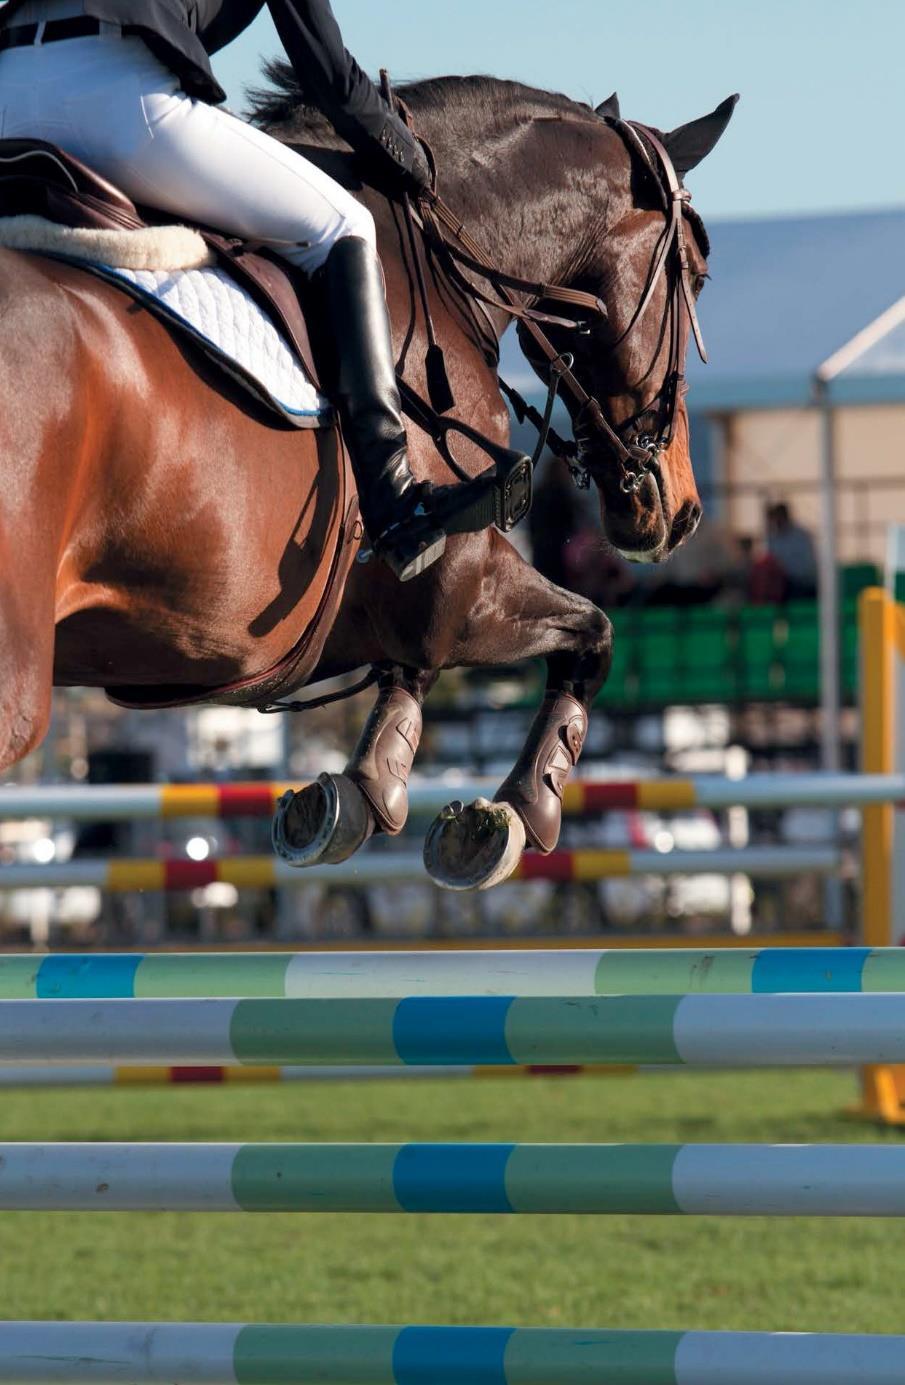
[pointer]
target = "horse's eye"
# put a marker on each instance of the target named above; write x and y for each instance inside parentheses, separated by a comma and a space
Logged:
(699, 281)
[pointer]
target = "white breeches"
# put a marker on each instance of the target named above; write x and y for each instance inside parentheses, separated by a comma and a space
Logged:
(108, 101)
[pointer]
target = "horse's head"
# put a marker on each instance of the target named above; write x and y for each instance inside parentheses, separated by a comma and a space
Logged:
(647, 263)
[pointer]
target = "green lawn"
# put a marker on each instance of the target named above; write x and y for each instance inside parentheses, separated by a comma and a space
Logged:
(634, 1272)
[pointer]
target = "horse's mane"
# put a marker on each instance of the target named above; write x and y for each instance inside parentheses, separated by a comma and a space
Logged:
(282, 108)
(283, 103)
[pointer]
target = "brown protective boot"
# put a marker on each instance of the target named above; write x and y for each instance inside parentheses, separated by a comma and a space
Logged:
(535, 786)
(383, 759)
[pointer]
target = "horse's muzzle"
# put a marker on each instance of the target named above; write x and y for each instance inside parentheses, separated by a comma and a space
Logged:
(684, 524)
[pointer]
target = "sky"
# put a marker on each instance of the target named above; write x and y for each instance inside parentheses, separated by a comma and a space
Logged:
(819, 127)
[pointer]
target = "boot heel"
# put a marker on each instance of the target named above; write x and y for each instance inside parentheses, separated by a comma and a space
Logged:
(408, 556)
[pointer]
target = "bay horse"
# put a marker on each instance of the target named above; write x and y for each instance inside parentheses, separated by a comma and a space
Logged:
(152, 523)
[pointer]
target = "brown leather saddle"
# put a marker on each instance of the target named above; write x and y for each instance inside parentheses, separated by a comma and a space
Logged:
(40, 179)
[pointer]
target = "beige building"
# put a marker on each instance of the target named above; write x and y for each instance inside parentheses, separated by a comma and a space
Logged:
(791, 296)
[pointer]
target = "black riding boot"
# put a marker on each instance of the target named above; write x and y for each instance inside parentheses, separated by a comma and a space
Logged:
(368, 401)
(407, 521)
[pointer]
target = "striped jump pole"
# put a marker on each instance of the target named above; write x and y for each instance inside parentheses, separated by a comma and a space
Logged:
(515, 972)
(711, 1030)
(107, 1075)
(697, 1180)
(266, 872)
(85, 1353)
(132, 802)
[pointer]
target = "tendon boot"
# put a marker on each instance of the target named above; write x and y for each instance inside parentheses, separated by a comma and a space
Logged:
(407, 521)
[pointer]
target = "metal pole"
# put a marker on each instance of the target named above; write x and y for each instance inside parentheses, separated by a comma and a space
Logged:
(828, 595)
(828, 586)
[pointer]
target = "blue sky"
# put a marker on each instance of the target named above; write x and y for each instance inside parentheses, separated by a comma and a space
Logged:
(822, 117)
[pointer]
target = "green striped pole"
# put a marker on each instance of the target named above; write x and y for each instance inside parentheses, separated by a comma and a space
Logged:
(48, 1353)
(522, 972)
(826, 1030)
(715, 1180)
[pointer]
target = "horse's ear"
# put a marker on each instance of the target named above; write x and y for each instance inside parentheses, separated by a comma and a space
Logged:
(609, 109)
(689, 144)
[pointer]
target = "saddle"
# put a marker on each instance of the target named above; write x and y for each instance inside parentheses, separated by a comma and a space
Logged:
(39, 179)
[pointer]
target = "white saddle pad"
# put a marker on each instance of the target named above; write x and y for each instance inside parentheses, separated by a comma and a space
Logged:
(227, 318)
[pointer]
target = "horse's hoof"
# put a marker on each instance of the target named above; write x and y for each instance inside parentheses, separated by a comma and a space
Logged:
(322, 824)
(474, 848)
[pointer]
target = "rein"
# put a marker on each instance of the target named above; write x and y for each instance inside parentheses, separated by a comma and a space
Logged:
(637, 455)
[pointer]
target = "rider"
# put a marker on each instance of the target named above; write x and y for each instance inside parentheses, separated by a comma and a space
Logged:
(127, 87)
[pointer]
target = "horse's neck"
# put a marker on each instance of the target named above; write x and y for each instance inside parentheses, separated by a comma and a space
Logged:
(520, 194)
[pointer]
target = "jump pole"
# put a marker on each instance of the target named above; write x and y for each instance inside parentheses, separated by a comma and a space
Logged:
(581, 797)
(467, 972)
(86, 1353)
(696, 1180)
(726, 1031)
(585, 865)
(108, 1075)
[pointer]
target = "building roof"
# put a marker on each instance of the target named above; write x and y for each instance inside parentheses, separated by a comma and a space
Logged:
(786, 294)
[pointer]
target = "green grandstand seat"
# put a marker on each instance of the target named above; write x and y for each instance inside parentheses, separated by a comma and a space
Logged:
(756, 639)
(700, 654)
(800, 651)
(849, 650)
(854, 577)
(707, 670)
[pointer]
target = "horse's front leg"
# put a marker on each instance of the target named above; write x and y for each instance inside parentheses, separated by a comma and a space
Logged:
(525, 616)
(329, 820)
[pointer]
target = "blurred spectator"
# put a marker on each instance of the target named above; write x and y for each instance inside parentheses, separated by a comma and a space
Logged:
(737, 589)
(792, 549)
(767, 584)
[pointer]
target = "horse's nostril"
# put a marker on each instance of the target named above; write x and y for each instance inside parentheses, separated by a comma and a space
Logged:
(685, 523)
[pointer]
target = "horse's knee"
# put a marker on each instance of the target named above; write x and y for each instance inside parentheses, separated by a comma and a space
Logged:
(600, 634)
(26, 678)
(595, 650)
(22, 729)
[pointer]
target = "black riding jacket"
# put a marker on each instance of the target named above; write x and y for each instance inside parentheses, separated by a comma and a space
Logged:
(184, 33)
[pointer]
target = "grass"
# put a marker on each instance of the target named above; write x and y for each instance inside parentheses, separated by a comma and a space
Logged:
(635, 1272)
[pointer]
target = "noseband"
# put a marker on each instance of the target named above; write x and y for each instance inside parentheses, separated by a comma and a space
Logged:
(636, 451)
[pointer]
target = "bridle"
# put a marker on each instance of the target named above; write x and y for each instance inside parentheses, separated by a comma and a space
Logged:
(635, 450)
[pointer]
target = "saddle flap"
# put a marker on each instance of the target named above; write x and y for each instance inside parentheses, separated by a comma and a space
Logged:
(272, 283)
(38, 178)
